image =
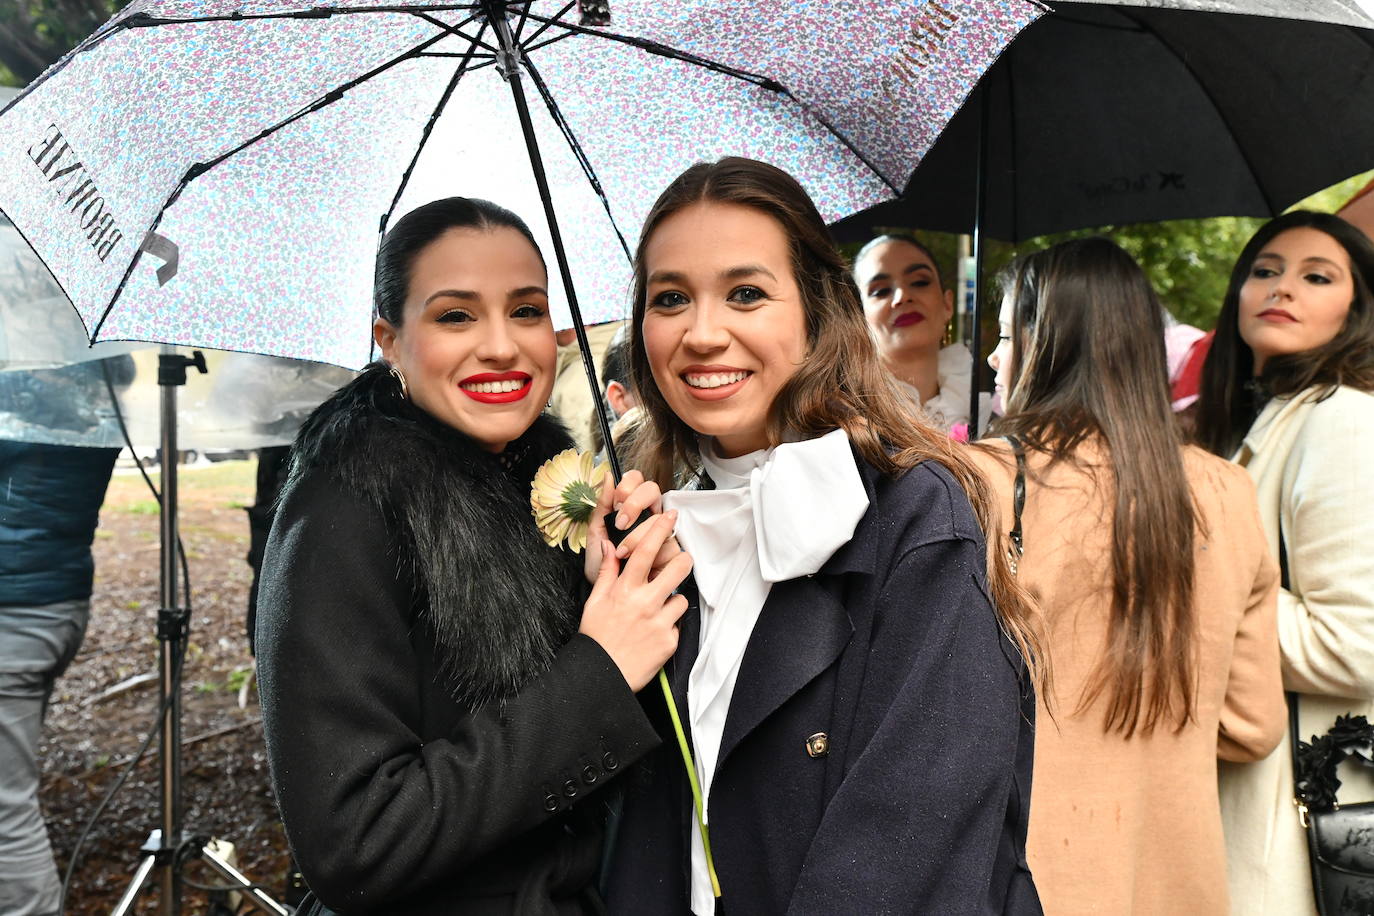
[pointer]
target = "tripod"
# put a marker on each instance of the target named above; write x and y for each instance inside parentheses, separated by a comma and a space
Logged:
(168, 849)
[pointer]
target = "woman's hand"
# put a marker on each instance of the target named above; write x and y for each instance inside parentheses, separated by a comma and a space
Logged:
(628, 500)
(632, 612)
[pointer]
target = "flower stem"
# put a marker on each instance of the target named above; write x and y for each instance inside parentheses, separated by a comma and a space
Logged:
(691, 778)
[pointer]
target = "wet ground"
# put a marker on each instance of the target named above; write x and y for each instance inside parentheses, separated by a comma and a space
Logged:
(91, 732)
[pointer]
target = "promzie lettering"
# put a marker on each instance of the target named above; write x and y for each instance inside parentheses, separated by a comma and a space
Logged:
(930, 32)
(76, 189)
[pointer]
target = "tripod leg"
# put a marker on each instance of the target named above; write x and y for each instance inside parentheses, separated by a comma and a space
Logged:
(255, 896)
(145, 867)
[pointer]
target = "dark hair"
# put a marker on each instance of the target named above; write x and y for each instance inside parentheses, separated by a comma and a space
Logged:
(1229, 397)
(615, 364)
(909, 239)
(615, 367)
(410, 235)
(840, 385)
(1088, 363)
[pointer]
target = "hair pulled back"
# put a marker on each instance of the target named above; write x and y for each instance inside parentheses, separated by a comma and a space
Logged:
(906, 238)
(411, 233)
(840, 385)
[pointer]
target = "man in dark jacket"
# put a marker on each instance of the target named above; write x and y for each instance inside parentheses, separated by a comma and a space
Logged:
(50, 497)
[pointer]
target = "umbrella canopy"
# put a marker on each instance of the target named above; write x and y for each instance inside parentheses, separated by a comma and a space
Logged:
(1108, 113)
(264, 143)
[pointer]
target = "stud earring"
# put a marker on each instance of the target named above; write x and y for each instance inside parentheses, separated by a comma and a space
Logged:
(400, 380)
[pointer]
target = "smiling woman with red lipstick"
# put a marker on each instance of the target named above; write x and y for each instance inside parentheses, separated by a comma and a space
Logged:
(908, 308)
(1288, 392)
(443, 700)
(854, 676)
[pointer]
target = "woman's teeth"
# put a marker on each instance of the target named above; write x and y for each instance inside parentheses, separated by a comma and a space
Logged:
(495, 387)
(715, 379)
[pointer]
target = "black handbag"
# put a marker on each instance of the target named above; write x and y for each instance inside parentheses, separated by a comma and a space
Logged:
(1340, 838)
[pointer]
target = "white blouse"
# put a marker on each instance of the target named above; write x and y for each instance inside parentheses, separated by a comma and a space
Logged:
(950, 407)
(759, 526)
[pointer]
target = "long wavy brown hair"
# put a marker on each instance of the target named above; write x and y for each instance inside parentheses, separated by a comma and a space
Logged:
(1088, 368)
(840, 385)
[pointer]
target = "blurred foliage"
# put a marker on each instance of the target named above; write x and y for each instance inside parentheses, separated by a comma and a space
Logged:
(34, 34)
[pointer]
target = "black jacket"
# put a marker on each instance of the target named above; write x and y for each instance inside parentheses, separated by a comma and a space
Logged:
(893, 652)
(50, 498)
(437, 732)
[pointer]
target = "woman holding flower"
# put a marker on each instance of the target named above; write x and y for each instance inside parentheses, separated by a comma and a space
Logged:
(855, 679)
(443, 699)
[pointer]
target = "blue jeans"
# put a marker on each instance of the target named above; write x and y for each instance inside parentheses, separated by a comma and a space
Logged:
(36, 645)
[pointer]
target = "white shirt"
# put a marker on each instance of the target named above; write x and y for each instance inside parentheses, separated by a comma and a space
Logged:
(759, 526)
(954, 370)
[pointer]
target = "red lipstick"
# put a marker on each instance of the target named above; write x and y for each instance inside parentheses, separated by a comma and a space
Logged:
(1278, 316)
(492, 396)
(908, 318)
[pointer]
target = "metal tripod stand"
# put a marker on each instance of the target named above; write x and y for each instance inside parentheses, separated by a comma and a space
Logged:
(168, 848)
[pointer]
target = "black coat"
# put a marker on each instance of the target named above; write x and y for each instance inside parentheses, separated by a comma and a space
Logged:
(50, 498)
(437, 741)
(920, 806)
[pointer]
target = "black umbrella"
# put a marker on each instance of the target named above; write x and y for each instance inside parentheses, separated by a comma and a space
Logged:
(1104, 113)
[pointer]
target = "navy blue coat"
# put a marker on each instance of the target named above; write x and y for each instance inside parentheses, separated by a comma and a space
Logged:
(894, 652)
(50, 498)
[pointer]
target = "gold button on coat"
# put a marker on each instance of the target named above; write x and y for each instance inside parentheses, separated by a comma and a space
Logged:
(818, 745)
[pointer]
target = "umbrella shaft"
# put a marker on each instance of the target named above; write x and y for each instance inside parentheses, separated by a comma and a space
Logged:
(511, 51)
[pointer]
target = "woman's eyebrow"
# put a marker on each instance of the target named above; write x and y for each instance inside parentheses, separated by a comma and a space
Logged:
(747, 270)
(667, 276)
(465, 294)
(523, 291)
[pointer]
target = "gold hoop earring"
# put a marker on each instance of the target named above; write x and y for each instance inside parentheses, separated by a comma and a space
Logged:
(400, 380)
(949, 334)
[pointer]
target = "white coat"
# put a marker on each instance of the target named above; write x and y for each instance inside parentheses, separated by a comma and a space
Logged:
(1313, 466)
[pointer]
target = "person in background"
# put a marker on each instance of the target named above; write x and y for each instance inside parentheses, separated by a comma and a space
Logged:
(50, 498)
(622, 407)
(909, 308)
(1288, 393)
(571, 400)
(1148, 558)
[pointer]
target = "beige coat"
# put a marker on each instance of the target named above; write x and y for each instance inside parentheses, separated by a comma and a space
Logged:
(1132, 826)
(1313, 467)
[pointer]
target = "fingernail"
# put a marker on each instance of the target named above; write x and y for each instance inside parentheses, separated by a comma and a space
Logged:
(621, 521)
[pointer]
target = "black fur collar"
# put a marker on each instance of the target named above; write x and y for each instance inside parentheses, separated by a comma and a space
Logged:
(500, 601)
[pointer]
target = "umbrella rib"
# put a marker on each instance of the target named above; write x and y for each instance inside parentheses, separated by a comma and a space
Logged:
(557, 19)
(1245, 156)
(524, 17)
(662, 50)
(765, 82)
(420, 147)
(145, 20)
(200, 168)
(582, 159)
(546, 42)
(424, 136)
(456, 29)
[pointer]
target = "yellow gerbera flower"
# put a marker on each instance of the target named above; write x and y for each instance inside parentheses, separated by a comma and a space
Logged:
(563, 495)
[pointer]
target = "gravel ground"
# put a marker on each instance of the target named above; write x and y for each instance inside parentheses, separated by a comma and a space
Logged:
(89, 736)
